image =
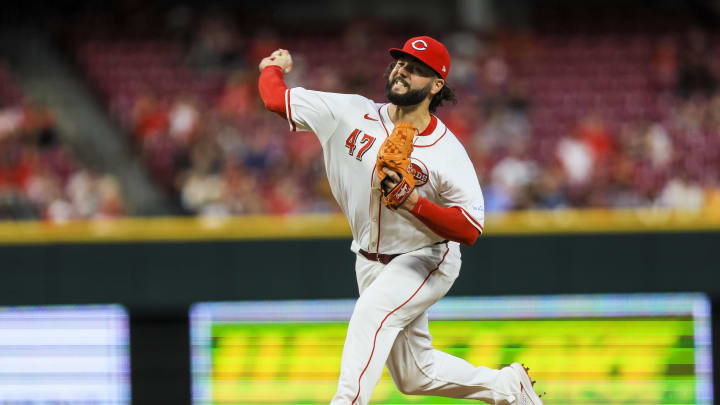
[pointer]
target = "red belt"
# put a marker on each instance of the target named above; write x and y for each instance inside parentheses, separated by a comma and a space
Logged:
(382, 258)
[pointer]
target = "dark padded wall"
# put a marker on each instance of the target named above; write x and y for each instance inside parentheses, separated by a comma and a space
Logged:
(170, 276)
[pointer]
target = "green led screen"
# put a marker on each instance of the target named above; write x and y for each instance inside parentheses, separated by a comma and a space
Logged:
(598, 358)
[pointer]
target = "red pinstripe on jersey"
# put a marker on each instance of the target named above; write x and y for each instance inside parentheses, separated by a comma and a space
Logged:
(377, 246)
(380, 204)
(372, 178)
(447, 249)
(382, 121)
(288, 108)
(436, 141)
(470, 218)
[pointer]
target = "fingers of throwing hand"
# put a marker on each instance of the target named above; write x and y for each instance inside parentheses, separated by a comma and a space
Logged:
(390, 181)
(391, 174)
(279, 57)
(284, 59)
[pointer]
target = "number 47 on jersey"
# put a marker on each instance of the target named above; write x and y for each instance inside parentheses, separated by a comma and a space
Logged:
(366, 143)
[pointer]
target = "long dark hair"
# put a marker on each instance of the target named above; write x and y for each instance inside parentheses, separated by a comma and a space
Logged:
(445, 94)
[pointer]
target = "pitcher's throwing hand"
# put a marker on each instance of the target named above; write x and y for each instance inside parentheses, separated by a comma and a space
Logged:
(280, 57)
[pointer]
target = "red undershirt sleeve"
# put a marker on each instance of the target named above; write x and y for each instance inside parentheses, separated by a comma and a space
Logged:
(272, 89)
(448, 223)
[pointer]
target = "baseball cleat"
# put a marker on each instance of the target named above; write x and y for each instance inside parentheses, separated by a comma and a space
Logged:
(527, 395)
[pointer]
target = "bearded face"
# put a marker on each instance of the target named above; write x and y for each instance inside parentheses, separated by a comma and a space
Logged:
(394, 92)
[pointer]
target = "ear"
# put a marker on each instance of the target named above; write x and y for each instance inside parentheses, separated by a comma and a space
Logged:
(437, 85)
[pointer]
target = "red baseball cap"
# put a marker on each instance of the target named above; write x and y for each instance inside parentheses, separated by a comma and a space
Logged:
(430, 51)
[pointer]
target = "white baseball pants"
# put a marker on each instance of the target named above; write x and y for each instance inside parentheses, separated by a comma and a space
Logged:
(389, 325)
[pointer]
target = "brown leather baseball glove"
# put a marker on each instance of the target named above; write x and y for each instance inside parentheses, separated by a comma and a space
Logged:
(395, 155)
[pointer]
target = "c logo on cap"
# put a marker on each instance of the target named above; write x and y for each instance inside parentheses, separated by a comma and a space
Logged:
(423, 45)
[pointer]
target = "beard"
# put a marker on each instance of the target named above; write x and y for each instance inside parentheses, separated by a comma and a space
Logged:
(411, 97)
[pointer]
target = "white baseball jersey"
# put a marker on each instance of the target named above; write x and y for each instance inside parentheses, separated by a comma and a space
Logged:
(389, 325)
(351, 129)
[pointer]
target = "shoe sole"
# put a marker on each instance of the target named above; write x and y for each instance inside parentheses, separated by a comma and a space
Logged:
(526, 383)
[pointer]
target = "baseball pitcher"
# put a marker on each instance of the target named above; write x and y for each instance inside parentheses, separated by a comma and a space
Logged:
(411, 195)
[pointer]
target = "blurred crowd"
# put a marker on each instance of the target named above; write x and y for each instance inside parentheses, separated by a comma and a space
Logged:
(190, 102)
(668, 158)
(227, 156)
(39, 176)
